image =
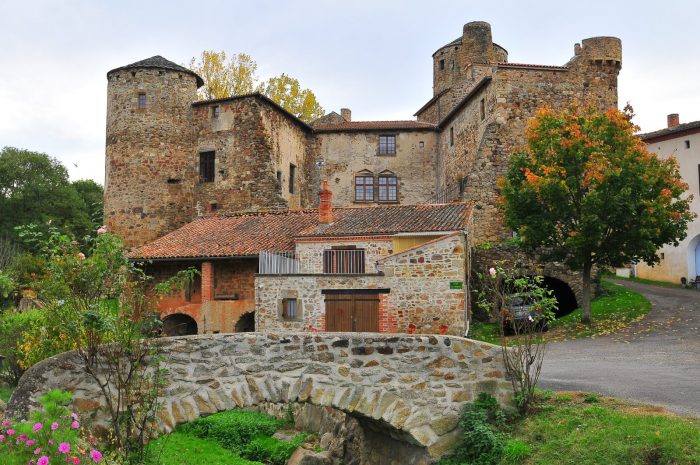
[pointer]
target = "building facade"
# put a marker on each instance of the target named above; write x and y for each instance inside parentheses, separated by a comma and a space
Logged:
(681, 141)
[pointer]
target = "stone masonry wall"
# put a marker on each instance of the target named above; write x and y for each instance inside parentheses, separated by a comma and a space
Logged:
(419, 283)
(412, 384)
(347, 154)
(310, 251)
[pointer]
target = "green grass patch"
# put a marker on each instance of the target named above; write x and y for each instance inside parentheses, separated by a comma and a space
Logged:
(487, 332)
(644, 281)
(272, 451)
(5, 393)
(567, 430)
(184, 449)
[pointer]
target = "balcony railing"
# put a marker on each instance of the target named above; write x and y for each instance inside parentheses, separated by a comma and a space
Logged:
(278, 263)
(449, 193)
(343, 261)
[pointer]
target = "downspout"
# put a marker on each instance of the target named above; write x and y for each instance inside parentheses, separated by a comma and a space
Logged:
(467, 273)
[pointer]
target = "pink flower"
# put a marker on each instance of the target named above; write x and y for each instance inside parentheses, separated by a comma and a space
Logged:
(81, 256)
(43, 460)
(102, 229)
(54, 426)
(96, 455)
(2, 437)
(31, 442)
(37, 427)
(76, 460)
(6, 423)
(51, 443)
(37, 451)
(74, 416)
(75, 425)
(492, 271)
(64, 448)
(10, 432)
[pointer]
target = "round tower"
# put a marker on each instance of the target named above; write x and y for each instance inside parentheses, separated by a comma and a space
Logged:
(598, 61)
(150, 165)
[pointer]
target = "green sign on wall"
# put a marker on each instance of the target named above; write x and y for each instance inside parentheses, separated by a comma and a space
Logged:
(456, 284)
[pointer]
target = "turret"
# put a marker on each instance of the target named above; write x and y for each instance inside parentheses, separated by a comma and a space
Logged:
(150, 170)
(597, 61)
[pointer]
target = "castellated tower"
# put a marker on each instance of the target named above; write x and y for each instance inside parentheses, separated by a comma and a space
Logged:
(150, 173)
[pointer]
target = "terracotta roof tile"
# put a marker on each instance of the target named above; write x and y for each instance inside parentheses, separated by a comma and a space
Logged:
(373, 126)
(248, 234)
(668, 133)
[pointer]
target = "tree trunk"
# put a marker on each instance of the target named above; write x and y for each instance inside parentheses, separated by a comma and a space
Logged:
(586, 294)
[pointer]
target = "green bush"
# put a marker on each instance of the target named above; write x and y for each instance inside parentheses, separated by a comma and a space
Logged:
(13, 326)
(272, 451)
(515, 452)
(183, 449)
(233, 429)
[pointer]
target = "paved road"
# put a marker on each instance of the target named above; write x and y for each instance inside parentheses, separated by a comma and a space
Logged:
(655, 361)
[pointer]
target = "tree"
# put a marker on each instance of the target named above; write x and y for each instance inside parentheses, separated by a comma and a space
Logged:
(287, 93)
(586, 191)
(93, 198)
(223, 78)
(237, 76)
(34, 188)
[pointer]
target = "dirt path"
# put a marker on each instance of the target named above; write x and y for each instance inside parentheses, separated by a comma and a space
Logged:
(656, 360)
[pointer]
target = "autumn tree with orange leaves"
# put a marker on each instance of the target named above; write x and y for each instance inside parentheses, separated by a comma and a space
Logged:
(587, 192)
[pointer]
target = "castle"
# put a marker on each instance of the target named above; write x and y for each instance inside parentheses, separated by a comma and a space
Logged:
(171, 159)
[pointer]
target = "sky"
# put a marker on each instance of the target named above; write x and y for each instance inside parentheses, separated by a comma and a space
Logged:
(373, 57)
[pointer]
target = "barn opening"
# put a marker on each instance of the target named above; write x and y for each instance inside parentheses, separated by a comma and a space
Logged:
(179, 324)
(246, 323)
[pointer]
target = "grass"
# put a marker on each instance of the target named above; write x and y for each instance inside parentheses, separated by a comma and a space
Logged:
(645, 281)
(185, 449)
(615, 309)
(565, 429)
(5, 393)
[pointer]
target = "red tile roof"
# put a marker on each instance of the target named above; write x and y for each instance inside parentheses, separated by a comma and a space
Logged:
(247, 234)
(670, 133)
(373, 126)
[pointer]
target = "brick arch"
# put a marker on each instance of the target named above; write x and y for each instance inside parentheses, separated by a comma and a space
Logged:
(192, 310)
(414, 386)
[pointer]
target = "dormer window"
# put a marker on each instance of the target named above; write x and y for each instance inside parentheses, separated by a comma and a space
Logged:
(142, 101)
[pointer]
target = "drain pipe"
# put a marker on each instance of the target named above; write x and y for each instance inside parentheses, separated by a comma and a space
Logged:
(467, 275)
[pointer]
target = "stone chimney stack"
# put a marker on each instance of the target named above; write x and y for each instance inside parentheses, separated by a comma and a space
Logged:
(672, 120)
(325, 208)
(346, 114)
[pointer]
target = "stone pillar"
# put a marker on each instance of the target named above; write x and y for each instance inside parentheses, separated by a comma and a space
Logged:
(207, 282)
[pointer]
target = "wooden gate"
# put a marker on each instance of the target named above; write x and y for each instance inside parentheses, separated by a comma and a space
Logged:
(352, 312)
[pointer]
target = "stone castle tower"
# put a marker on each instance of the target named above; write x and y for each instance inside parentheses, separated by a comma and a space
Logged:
(150, 138)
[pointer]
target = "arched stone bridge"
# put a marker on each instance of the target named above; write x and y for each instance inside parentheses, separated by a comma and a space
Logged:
(413, 385)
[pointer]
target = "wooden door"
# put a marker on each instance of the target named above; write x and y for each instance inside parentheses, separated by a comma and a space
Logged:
(352, 312)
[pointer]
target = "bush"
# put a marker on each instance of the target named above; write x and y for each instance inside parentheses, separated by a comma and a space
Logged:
(13, 328)
(233, 429)
(183, 449)
(272, 451)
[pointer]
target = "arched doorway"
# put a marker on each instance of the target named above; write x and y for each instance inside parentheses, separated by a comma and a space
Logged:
(566, 299)
(179, 324)
(693, 252)
(246, 323)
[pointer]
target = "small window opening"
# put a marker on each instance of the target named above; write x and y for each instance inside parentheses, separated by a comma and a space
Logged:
(279, 176)
(213, 207)
(133, 74)
(482, 109)
(421, 145)
(687, 144)
(174, 181)
(206, 166)
(452, 136)
(442, 64)
(662, 255)
(292, 178)
(161, 73)
(289, 309)
(215, 111)
(142, 101)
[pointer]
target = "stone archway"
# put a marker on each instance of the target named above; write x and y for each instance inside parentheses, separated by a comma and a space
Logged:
(179, 324)
(693, 250)
(566, 298)
(412, 385)
(246, 323)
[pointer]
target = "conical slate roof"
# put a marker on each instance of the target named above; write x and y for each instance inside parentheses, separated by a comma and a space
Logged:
(160, 63)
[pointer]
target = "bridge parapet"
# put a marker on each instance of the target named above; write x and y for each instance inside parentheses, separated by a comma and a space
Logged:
(414, 385)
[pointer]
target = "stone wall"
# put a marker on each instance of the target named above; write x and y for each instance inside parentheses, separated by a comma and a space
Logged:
(411, 384)
(346, 154)
(418, 280)
(310, 251)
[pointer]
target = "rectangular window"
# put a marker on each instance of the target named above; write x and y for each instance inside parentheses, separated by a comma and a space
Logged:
(364, 188)
(289, 309)
(387, 189)
(387, 145)
(452, 137)
(142, 101)
(687, 144)
(482, 109)
(421, 145)
(442, 64)
(279, 177)
(346, 260)
(292, 178)
(215, 111)
(206, 166)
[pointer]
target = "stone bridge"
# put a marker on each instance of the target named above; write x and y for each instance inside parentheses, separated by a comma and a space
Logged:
(413, 386)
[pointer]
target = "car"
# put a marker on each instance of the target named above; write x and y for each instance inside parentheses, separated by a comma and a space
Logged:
(520, 315)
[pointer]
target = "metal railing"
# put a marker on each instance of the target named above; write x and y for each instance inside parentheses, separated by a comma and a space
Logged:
(278, 263)
(449, 193)
(344, 261)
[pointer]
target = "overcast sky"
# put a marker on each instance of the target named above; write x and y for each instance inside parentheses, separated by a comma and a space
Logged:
(372, 56)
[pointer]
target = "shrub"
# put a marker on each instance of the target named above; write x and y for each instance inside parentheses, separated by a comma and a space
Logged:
(591, 398)
(515, 452)
(233, 429)
(271, 450)
(13, 328)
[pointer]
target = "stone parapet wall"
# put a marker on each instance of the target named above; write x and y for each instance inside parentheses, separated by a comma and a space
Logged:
(415, 385)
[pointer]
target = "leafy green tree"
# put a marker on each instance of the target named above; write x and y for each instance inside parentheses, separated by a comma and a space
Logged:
(236, 76)
(34, 188)
(586, 191)
(93, 198)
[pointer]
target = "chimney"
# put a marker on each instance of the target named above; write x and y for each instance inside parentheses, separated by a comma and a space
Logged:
(672, 120)
(346, 114)
(577, 49)
(325, 208)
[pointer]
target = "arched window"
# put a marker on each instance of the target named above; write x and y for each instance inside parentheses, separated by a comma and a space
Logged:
(388, 187)
(364, 186)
